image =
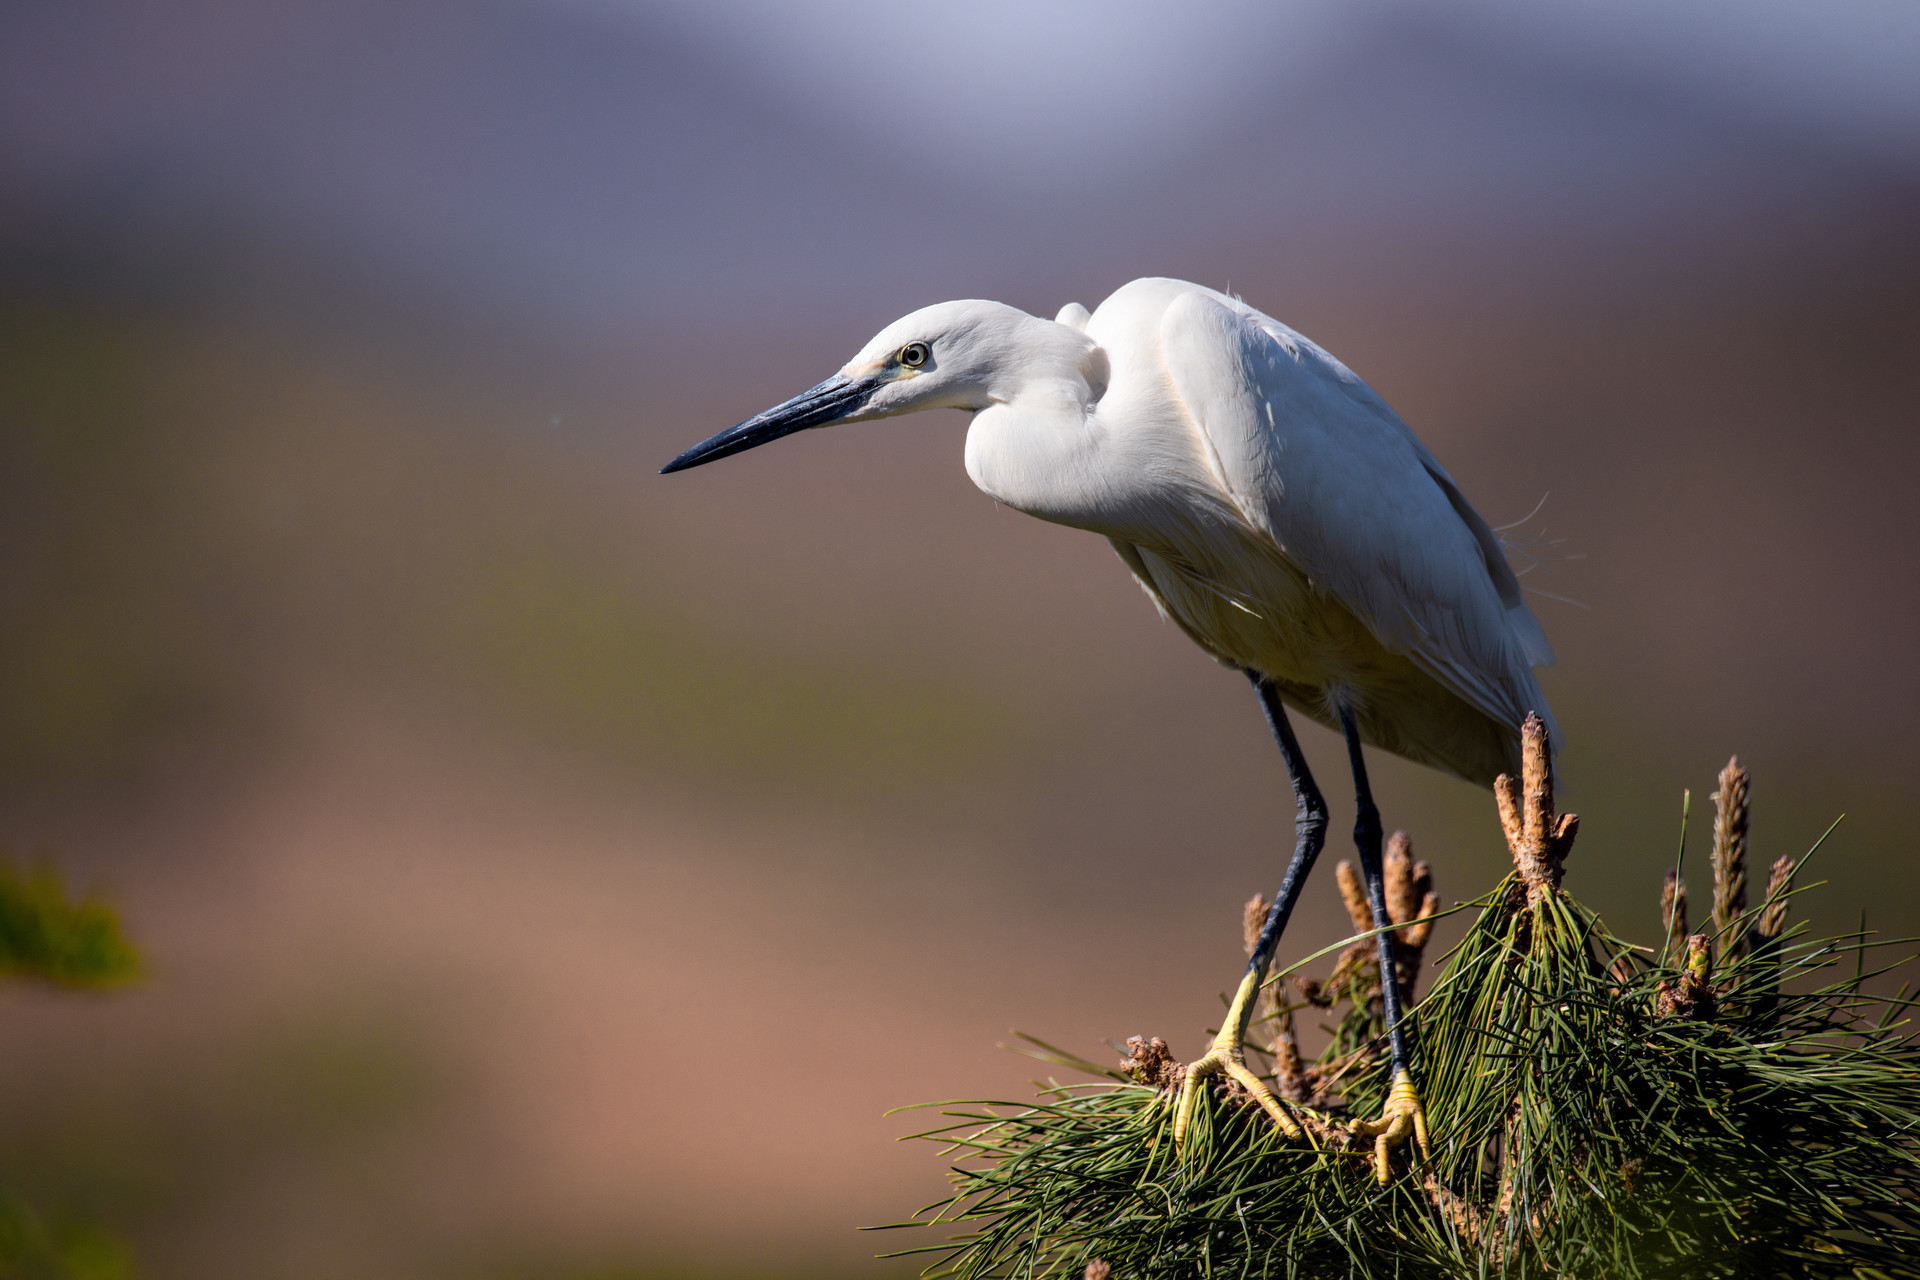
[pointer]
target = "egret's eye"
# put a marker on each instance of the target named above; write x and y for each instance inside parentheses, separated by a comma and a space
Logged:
(914, 354)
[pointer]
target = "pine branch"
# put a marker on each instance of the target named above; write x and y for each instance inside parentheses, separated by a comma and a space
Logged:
(1597, 1109)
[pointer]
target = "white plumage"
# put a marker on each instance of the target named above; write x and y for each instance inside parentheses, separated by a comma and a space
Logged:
(1268, 500)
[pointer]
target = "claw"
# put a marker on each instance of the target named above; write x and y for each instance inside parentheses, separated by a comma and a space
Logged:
(1227, 1060)
(1402, 1116)
(1226, 1057)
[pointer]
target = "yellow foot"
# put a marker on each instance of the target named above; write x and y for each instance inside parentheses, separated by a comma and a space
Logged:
(1402, 1117)
(1226, 1059)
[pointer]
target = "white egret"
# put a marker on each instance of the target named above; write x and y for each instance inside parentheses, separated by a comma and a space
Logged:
(1274, 508)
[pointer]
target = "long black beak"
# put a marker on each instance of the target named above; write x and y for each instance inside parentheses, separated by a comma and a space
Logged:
(829, 402)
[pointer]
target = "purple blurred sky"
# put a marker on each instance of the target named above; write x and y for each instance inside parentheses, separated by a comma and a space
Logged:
(600, 164)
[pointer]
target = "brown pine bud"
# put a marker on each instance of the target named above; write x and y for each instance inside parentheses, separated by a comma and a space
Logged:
(1353, 892)
(1673, 914)
(1773, 920)
(1151, 1063)
(1254, 919)
(1536, 781)
(1289, 1072)
(1691, 995)
(1403, 902)
(1538, 839)
(1730, 859)
(1415, 936)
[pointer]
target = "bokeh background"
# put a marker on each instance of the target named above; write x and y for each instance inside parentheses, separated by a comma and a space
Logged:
(549, 869)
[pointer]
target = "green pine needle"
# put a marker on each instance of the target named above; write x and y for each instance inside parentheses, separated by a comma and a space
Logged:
(1577, 1131)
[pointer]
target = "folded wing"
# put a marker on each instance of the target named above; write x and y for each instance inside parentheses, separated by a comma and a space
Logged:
(1316, 461)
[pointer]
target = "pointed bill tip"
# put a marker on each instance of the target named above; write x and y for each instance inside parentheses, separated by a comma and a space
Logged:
(818, 407)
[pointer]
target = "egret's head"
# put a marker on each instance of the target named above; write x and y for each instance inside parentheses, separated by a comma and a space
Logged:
(954, 355)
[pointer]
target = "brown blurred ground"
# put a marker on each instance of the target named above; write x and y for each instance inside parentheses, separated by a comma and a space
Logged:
(547, 868)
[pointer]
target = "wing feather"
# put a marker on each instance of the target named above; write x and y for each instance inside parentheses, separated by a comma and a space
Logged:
(1318, 463)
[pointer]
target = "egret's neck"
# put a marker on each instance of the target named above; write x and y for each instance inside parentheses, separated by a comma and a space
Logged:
(1039, 450)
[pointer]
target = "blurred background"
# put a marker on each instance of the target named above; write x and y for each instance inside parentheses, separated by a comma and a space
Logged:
(548, 869)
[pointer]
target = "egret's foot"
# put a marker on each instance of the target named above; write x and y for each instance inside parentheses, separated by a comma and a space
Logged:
(1403, 1117)
(1226, 1058)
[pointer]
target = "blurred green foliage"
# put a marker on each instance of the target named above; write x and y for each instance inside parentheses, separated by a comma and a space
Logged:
(72, 943)
(31, 1249)
(44, 935)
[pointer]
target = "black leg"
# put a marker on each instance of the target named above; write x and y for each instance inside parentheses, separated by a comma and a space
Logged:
(1227, 1055)
(1402, 1116)
(1366, 839)
(1309, 825)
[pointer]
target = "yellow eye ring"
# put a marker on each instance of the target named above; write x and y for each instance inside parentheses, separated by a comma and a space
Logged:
(914, 354)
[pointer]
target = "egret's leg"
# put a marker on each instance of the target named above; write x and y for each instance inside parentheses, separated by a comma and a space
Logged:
(1403, 1116)
(1227, 1054)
